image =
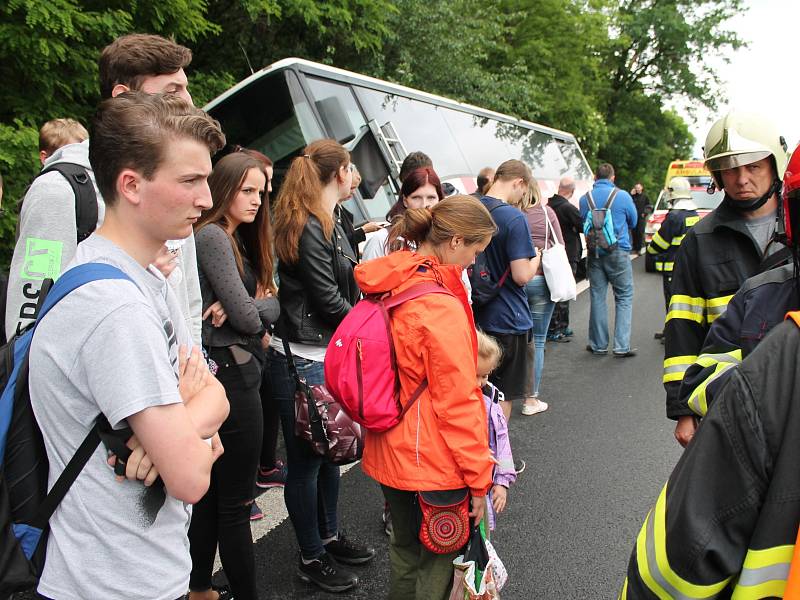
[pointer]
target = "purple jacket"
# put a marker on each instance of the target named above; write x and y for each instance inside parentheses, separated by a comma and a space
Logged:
(499, 444)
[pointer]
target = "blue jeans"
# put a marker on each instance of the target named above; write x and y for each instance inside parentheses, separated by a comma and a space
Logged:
(614, 269)
(312, 483)
(541, 311)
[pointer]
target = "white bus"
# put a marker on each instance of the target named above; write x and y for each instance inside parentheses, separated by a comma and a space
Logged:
(285, 106)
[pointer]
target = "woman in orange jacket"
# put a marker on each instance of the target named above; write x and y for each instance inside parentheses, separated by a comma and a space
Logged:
(441, 444)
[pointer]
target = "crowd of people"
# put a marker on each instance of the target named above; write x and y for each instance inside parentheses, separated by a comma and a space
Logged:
(194, 345)
(225, 295)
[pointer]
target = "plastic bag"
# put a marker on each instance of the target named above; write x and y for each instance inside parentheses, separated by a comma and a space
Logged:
(474, 576)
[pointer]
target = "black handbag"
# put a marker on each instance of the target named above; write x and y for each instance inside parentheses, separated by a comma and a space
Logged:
(320, 421)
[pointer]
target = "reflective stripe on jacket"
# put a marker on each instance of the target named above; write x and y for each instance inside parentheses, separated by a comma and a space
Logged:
(715, 258)
(666, 240)
(725, 524)
(760, 304)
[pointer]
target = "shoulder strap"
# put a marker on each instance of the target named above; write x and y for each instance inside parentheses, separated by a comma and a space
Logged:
(590, 200)
(386, 304)
(85, 198)
(775, 259)
(611, 198)
(67, 478)
(415, 291)
(77, 277)
(67, 283)
(549, 229)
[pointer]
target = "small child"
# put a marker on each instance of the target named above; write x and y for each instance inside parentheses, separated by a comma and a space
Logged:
(489, 354)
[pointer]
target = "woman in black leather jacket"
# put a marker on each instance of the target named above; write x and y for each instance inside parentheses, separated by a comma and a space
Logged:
(317, 290)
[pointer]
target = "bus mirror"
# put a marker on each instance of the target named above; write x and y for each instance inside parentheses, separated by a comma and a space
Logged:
(335, 119)
(366, 154)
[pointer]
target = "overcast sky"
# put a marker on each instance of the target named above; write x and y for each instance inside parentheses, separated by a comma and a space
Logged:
(762, 77)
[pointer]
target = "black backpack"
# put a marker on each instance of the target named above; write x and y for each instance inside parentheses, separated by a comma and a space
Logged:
(484, 285)
(85, 198)
(25, 503)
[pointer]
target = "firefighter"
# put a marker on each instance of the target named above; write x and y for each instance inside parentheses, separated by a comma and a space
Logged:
(725, 524)
(759, 305)
(664, 245)
(747, 159)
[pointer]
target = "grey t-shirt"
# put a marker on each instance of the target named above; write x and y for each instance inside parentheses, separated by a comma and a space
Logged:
(762, 230)
(110, 346)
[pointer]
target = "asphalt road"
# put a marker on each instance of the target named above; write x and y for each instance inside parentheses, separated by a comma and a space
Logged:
(596, 462)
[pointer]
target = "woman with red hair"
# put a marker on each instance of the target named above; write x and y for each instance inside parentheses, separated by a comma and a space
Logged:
(420, 189)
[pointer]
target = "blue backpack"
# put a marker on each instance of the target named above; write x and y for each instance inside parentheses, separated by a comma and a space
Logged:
(599, 227)
(25, 504)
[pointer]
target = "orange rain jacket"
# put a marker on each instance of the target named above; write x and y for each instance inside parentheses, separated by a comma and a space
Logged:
(442, 443)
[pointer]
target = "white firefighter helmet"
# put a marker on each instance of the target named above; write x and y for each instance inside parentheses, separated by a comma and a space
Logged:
(739, 139)
(679, 188)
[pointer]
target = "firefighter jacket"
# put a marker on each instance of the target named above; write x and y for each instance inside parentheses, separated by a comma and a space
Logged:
(714, 260)
(760, 304)
(725, 524)
(666, 240)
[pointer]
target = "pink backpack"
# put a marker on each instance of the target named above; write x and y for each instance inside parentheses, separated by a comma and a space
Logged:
(360, 362)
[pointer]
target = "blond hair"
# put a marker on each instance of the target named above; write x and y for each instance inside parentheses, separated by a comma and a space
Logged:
(60, 132)
(531, 198)
(488, 349)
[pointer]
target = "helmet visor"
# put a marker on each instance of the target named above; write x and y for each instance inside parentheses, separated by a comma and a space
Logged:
(732, 161)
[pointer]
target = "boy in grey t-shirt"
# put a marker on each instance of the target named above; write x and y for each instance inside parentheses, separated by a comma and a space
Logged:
(118, 348)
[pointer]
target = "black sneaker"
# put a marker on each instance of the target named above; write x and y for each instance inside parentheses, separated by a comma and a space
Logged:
(325, 573)
(349, 552)
(519, 466)
(274, 477)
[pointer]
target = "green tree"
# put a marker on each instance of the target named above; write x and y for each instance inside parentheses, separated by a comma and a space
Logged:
(49, 53)
(657, 53)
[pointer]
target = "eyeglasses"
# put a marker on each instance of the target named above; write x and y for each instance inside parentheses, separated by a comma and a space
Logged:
(352, 167)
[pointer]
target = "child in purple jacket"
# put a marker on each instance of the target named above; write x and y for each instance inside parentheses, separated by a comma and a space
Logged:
(499, 443)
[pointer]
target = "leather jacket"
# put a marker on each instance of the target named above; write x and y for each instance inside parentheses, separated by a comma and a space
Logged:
(317, 291)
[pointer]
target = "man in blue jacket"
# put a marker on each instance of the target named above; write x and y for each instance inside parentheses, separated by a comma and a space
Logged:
(613, 266)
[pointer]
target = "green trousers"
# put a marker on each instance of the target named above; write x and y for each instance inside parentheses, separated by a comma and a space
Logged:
(416, 573)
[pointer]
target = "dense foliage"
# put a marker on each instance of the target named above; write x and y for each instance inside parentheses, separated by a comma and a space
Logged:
(602, 69)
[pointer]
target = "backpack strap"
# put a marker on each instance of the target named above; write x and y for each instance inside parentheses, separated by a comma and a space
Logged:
(611, 197)
(390, 302)
(85, 198)
(590, 200)
(76, 277)
(415, 291)
(67, 478)
(67, 283)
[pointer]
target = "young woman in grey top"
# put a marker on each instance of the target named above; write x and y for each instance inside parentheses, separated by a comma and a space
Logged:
(235, 263)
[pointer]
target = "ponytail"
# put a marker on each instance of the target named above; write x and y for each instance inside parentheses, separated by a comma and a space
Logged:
(459, 215)
(300, 195)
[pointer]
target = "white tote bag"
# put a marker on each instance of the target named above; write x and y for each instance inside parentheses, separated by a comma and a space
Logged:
(556, 267)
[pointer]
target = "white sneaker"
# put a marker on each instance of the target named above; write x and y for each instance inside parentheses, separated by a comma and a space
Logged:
(533, 409)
